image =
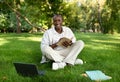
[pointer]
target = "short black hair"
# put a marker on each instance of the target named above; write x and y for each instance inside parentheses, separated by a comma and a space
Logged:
(57, 15)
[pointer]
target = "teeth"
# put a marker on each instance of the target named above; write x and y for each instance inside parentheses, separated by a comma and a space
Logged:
(58, 25)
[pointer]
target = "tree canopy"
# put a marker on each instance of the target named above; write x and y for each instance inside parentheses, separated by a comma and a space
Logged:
(24, 15)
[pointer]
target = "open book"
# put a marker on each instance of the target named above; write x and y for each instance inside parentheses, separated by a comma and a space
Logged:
(97, 75)
(63, 40)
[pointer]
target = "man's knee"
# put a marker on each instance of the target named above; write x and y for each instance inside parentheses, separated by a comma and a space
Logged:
(80, 42)
(46, 49)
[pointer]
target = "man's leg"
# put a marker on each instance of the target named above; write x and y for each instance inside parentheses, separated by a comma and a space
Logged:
(73, 52)
(52, 54)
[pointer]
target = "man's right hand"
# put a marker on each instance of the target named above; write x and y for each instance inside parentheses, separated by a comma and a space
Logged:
(65, 42)
(53, 45)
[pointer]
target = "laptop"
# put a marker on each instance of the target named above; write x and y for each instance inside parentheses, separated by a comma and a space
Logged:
(27, 69)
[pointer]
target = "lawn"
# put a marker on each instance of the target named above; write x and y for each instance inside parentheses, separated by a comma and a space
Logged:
(101, 52)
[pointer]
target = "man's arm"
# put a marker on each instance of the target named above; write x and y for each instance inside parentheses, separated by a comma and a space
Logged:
(53, 45)
(62, 42)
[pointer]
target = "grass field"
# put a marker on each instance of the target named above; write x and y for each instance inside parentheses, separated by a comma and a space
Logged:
(101, 52)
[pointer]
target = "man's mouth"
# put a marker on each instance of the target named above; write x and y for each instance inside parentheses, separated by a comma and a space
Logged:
(58, 25)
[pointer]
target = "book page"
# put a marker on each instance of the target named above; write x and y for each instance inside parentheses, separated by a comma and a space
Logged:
(63, 40)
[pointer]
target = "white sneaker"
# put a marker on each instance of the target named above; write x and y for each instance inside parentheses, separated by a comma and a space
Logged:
(56, 66)
(78, 61)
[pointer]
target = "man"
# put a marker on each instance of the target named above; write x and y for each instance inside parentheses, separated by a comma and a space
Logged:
(61, 55)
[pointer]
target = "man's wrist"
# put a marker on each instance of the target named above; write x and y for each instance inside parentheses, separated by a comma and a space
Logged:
(54, 45)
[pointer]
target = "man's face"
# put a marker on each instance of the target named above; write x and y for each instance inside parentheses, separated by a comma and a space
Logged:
(57, 21)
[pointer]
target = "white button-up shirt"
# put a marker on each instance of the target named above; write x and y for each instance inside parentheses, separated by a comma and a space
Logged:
(51, 36)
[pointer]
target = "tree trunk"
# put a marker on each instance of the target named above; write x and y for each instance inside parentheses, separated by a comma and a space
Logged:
(18, 30)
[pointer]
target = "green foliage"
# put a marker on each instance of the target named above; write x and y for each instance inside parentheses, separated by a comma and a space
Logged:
(73, 19)
(2, 20)
(77, 14)
(114, 6)
(4, 23)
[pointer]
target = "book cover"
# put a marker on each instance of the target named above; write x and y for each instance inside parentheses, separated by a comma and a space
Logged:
(97, 75)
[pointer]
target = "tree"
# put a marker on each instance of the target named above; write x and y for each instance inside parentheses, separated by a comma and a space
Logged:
(23, 15)
(114, 7)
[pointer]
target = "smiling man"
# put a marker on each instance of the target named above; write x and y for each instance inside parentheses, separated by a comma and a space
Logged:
(61, 55)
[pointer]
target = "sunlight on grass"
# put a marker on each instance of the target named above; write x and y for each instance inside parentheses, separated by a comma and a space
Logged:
(100, 41)
(35, 39)
(115, 36)
(106, 41)
(3, 41)
(100, 46)
(30, 38)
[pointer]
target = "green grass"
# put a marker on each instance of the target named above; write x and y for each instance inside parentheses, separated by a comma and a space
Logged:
(101, 52)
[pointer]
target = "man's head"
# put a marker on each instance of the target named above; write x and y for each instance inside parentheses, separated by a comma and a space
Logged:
(57, 21)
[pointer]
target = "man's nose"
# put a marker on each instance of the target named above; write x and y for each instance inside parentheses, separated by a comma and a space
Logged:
(57, 22)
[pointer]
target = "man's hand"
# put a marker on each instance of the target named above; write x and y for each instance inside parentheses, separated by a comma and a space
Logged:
(53, 45)
(64, 42)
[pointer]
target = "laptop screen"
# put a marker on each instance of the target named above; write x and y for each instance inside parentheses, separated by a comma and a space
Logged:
(26, 69)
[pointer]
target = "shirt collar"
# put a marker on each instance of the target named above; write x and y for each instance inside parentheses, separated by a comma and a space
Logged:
(54, 31)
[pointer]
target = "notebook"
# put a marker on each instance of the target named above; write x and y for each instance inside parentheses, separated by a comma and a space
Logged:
(97, 75)
(27, 69)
